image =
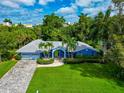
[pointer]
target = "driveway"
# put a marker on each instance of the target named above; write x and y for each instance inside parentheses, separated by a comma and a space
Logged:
(18, 78)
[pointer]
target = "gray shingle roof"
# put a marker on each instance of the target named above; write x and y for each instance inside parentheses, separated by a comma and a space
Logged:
(33, 47)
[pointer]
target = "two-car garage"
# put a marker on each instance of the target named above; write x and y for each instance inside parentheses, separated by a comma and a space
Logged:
(30, 51)
(30, 56)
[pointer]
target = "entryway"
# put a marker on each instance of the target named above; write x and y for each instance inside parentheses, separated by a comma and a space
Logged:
(59, 52)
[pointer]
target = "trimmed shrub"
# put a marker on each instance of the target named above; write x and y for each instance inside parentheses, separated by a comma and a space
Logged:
(88, 57)
(81, 60)
(45, 61)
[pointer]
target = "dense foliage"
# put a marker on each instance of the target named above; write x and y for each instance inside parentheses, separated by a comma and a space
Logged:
(12, 38)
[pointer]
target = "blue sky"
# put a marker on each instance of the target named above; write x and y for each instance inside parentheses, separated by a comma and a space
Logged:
(33, 11)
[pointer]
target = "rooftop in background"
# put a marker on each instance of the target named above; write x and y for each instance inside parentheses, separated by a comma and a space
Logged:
(28, 25)
(10, 24)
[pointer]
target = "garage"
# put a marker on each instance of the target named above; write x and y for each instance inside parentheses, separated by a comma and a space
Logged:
(30, 51)
(30, 56)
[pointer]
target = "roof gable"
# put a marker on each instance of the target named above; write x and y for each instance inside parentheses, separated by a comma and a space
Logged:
(33, 46)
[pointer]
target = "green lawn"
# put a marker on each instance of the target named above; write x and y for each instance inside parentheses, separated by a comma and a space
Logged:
(80, 78)
(5, 66)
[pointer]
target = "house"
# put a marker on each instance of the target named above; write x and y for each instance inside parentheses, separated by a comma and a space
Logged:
(9, 24)
(28, 25)
(33, 52)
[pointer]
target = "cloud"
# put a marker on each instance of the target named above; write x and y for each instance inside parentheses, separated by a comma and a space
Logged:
(10, 4)
(83, 3)
(44, 2)
(65, 10)
(27, 2)
(93, 11)
(16, 3)
(21, 15)
(71, 18)
(86, 3)
(69, 13)
(39, 10)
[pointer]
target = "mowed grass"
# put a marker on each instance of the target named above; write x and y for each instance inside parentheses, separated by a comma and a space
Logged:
(75, 78)
(5, 66)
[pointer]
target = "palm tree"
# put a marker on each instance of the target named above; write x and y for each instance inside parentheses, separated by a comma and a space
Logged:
(46, 46)
(102, 29)
(41, 46)
(50, 45)
(71, 44)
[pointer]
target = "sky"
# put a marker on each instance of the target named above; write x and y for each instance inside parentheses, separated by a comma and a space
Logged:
(33, 11)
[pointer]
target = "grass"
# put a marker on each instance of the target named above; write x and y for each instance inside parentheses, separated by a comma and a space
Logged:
(5, 66)
(75, 78)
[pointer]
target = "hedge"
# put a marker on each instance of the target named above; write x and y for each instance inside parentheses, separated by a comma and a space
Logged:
(45, 61)
(88, 57)
(81, 60)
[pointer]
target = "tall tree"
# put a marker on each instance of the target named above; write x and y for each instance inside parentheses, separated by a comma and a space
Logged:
(119, 4)
(7, 20)
(83, 27)
(102, 29)
(53, 21)
(70, 43)
(50, 45)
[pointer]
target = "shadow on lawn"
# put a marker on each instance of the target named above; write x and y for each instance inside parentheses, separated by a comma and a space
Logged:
(103, 71)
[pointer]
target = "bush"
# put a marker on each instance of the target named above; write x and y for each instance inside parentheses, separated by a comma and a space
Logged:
(18, 57)
(45, 61)
(81, 60)
(88, 57)
(7, 55)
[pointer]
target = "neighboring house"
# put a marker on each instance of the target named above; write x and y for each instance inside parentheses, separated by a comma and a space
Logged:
(28, 25)
(9, 24)
(32, 50)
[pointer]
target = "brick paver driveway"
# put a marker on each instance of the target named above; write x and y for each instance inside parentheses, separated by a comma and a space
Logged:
(18, 78)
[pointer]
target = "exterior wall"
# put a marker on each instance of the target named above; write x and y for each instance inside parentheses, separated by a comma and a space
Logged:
(30, 56)
(86, 52)
(7, 24)
(62, 54)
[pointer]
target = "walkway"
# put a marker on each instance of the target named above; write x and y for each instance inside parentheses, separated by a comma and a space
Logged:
(18, 78)
(55, 64)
